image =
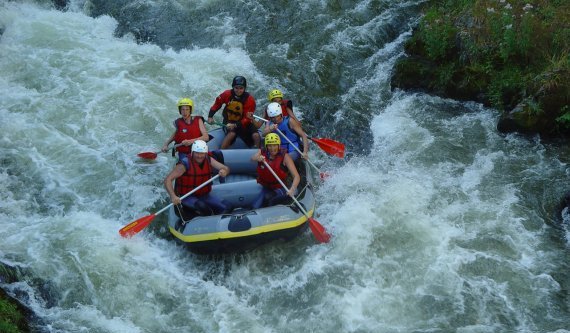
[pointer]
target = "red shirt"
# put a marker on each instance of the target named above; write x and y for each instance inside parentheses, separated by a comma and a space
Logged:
(236, 108)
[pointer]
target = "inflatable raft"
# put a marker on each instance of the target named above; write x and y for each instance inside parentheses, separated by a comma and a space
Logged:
(243, 228)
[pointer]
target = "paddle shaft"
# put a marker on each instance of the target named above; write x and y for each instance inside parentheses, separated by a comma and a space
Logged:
(176, 145)
(317, 229)
(286, 189)
(189, 193)
(152, 155)
(291, 143)
(139, 224)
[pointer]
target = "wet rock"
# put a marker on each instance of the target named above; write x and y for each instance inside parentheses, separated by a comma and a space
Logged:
(60, 4)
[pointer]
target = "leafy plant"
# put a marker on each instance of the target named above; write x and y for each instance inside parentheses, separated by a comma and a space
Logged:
(9, 317)
(564, 119)
(438, 34)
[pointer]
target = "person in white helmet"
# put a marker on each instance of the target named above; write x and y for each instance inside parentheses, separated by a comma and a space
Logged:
(289, 130)
(276, 96)
(191, 172)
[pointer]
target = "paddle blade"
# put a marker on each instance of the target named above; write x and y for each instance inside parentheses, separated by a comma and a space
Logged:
(319, 231)
(331, 147)
(136, 226)
(147, 155)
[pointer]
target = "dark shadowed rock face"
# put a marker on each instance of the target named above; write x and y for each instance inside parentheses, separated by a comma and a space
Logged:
(415, 73)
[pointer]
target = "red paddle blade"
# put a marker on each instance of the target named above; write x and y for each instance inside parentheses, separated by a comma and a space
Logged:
(136, 226)
(331, 147)
(147, 155)
(319, 231)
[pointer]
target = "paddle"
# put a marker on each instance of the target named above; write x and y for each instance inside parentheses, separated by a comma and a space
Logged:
(136, 226)
(149, 155)
(296, 148)
(329, 146)
(318, 230)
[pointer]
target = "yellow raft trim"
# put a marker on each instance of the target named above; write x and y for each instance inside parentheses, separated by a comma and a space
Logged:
(251, 232)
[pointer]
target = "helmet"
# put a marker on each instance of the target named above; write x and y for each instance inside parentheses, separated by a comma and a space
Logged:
(185, 101)
(274, 94)
(239, 81)
(274, 109)
(272, 139)
(199, 146)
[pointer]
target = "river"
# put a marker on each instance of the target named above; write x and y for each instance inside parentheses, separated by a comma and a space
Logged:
(439, 222)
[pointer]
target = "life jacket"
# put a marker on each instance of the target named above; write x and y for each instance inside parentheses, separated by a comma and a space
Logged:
(284, 103)
(194, 176)
(186, 131)
(264, 175)
(234, 110)
(289, 133)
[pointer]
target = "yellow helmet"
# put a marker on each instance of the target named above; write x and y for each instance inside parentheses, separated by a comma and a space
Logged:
(186, 101)
(274, 94)
(272, 139)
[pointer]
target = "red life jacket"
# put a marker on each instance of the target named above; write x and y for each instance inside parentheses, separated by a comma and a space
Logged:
(284, 104)
(264, 175)
(186, 131)
(194, 176)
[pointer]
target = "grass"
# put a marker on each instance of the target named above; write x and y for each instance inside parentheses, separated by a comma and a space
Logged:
(510, 50)
(12, 320)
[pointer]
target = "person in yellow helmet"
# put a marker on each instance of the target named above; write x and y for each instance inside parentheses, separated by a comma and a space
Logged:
(293, 137)
(282, 164)
(276, 96)
(188, 129)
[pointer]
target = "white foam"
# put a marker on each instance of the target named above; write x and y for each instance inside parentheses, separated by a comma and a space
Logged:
(431, 226)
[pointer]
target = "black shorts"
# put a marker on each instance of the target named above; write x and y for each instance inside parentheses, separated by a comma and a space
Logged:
(246, 133)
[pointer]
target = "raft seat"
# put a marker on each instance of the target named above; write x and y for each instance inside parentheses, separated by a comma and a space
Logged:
(235, 178)
(240, 191)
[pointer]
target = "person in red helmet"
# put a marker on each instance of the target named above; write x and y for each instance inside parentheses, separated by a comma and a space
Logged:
(237, 114)
(188, 129)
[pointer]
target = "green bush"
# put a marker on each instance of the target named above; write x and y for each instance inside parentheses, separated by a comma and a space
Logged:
(10, 317)
(507, 44)
(438, 34)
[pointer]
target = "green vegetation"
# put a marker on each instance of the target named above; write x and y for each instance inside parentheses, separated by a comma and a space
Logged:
(12, 319)
(509, 54)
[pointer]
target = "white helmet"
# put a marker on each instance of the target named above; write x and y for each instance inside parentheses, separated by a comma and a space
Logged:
(199, 146)
(274, 109)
